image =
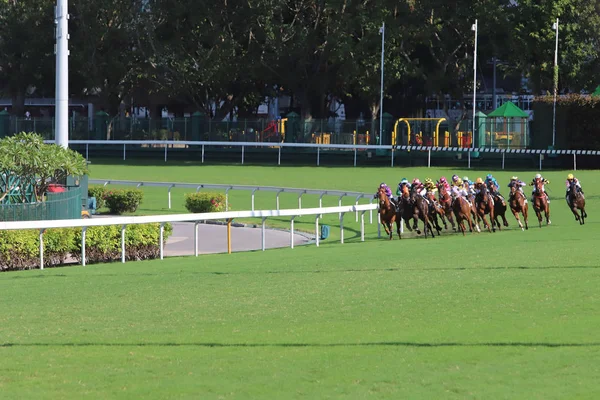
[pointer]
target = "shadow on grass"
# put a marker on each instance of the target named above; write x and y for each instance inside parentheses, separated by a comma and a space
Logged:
(308, 345)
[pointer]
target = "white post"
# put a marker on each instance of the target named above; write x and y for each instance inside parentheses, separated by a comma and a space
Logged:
(502, 160)
(253, 190)
(202, 154)
(321, 202)
(83, 231)
(541, 162)
(574, 162)
(300, 200)
(279, 156)
(382, 31)
(196, 238)
(318, 156)
(371, 212)
(474, 28)
(242, 155)
(469, 157)
(123, 151)
(429, 158)
(340, 203)
(292, 233)
(355, 157)
(317, 231)
(170, 187)
(61, 18)
(227, 199)
(123, 243)
(41, 248)
(162, 245)
(555, 75)
(166, 146)
(362, 226)
(263, 233)
(342, 228)
(277, 198)
(87, 151)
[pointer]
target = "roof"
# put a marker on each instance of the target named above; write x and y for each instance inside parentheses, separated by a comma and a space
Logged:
(508, 110)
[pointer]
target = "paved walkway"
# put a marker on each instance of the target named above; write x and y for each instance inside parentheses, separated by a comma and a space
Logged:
(213, 239)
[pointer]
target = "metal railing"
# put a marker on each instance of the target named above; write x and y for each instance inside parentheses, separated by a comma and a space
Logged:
(387, 150)
(196, 218)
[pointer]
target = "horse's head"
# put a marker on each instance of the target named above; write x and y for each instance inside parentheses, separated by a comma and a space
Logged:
(573, 186)
(382, 197)
(538, 183)
(513, 188)
(405, 192)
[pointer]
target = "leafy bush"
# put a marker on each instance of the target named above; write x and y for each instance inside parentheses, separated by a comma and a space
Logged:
(98, 192)
(20, 249)
(204, 202)
(120, 201)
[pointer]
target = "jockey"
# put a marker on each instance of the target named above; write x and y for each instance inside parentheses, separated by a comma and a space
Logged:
(468, 185)
(514, 181)
(478, 182)
(430, 186)
(458, 186)
(389, 194)
(493, 186)
(571, 178)
(544, 182)
(445, 183)
(403, 182)
(419, 187)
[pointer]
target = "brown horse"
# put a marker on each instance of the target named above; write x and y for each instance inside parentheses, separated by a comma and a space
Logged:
(421, 211)
(576, 203)
(387, 213)
(462, 212)
(518, 204)
(499, 208)
(435, 210)
(485, 205)
(445, 201)
(540, 202)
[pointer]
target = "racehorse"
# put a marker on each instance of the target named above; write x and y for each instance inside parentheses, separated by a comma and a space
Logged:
(518, 204)
(499, 211)
(540, 202)
(462, 212)
(436, 209)
(446, 203)
(421, 211)
(576, 202)
(485, 205)
(387, 213)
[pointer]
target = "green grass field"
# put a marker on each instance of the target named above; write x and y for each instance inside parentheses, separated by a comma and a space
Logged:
(506, 315)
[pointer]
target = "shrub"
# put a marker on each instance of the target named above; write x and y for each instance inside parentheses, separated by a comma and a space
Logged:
(98, 192)
(120, 201)
(20, 249)
(204, 202)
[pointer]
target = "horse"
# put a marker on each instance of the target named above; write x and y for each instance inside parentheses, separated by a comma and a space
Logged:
(462, 212)
(387, 213)
(540, 202)
(445, 201)
(499, 208)
(518, 204)
(485, 205)
(405, 208)
(436, 209)
(576, 202)
(421, 211)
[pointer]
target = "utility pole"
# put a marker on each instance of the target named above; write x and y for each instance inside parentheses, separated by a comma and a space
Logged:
(61, 107)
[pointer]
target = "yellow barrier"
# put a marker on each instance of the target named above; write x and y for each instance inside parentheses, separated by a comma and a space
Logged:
(407, 121)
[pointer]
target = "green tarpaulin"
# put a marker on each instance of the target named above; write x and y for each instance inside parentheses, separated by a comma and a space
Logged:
(596, 92)
(508, 110)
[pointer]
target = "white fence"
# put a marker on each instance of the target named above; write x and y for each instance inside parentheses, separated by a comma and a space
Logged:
(253, 189)
(196, 218)
(319, 147)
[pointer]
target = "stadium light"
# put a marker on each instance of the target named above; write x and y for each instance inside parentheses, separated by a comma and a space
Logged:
(61, 106)
(474, 29)
(555, 27)
(382, 32)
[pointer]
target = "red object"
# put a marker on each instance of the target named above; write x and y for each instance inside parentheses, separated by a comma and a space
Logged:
(55, 188)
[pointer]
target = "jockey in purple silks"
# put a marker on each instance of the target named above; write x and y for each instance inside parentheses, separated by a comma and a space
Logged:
(388, 192)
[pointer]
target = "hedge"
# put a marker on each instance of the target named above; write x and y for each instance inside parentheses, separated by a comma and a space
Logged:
(20, 249)
(98, 192)
(204, 202)
(117, 201)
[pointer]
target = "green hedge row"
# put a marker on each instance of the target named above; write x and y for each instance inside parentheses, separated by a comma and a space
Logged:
(20, 249)
(117, 201)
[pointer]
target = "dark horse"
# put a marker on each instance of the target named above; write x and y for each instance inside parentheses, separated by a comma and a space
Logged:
(421, 211)
(436, 209)
(518, 204)
(540, 202)
(446, 203)
(485, 205)
(387, 213)
(462, 211)
(576, 202)
(405, 208)
(499, 208)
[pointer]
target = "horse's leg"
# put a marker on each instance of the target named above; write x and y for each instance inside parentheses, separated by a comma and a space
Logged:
(398, 222)
(516, 214)
(485, 223)
(492, 219)
(538, 213)
(416, 220)
(548, 222)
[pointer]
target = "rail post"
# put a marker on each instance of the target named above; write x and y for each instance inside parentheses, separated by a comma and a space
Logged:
(123, 243)
(42, 248)
(317, 237)
(83, 232)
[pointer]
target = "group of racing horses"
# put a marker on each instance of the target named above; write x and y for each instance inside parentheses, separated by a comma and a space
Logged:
(468, 211)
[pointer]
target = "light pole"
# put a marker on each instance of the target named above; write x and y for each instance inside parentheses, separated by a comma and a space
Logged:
(382, 32)
(61, 107)
(555, 27)
(474, 28)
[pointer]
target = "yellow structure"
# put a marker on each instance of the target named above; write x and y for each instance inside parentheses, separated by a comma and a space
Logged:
(408, 121)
